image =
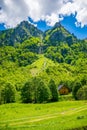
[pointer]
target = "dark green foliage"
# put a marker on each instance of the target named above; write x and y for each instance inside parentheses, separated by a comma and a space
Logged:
(43, 93)
(53, 90)
(77, 85)
(31, 44)
(27, 92)
(82, 93)
(52, 53)
(23, 55)
(26, 58)
(7, 53)
(22, 32)
(64, 53)
(57, 35)
(35, 91)
(7, 93)
(70, 39)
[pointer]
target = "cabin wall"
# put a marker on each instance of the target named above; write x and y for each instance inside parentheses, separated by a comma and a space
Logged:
(63, 91)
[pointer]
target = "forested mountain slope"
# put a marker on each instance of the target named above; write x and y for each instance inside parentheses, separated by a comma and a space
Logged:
(27, 53)
(22, 32)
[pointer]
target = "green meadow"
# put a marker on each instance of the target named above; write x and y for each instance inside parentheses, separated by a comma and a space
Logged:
(65, 115)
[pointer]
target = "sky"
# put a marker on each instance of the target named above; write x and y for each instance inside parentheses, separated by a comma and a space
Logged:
(45, 13)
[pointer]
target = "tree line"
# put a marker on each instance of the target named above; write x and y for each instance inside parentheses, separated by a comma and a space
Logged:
(33, 91)
(36, 90)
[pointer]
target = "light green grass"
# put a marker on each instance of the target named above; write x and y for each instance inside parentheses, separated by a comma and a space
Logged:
(40, 65)
(51, 116)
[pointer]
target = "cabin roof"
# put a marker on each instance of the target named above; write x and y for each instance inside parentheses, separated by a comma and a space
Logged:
(60, 86)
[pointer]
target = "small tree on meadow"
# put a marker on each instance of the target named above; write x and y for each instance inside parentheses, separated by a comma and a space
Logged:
(8, 93)
(53, 90)
(76, 87)
(27, 92)
(43, 93)
(82, 93)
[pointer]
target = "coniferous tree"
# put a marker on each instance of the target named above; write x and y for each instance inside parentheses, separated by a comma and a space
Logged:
(53, 90)
(43, 93)
(27, 93)
(8, 93)
(82, 93)
(76, 87)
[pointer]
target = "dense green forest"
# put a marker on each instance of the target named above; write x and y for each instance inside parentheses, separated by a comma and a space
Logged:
(33, 64)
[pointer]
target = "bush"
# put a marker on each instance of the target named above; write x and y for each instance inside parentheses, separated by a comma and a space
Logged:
(43, 93)
(35, 91)
(27, 93)
(76, 87)
(82, 93)
(7, 93)
(53, 90)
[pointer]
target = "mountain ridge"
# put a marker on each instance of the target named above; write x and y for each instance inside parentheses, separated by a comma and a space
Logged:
(25, 30)
(59, 34)
(22, 32)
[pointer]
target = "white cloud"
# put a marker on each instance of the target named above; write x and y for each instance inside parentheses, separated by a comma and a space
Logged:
(80, 8)
(51, 19)
(15, 11)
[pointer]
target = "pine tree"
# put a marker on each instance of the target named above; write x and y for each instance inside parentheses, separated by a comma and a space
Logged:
(8, 93)
(53, 90)
(27, 93)
(43, 93)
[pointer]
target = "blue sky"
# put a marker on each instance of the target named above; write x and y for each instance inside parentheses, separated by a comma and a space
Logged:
(68, 22)
(2, 27)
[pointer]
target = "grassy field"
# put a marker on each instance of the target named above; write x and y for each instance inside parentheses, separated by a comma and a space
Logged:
(52, 116)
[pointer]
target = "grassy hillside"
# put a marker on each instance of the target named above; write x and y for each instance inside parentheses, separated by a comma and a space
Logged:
(43, 67)
(52, 116)
(40, 65)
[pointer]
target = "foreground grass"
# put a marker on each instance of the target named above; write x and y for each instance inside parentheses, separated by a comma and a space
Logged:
(52, 116)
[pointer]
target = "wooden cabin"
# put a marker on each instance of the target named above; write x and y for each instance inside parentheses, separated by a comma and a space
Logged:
(63, 90)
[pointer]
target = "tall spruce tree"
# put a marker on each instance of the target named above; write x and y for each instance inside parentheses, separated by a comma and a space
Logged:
(77, 85)
(27, 92)
(8, 93)
(53, 90)
(43, 93)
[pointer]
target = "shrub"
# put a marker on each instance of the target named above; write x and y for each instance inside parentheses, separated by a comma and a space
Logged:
(27, 93)
(35, 91)
(82, 93)
(43, 93)
(7, 93)
(76, 87)
(53, 90)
